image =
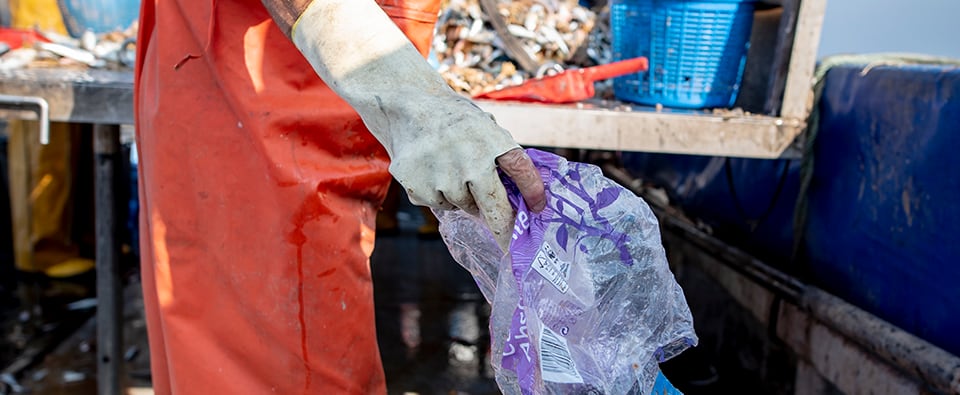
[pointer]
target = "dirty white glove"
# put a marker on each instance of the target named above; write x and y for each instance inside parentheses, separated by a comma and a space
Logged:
(443, 148)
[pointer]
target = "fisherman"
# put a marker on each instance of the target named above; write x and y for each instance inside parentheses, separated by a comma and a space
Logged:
(260, 182)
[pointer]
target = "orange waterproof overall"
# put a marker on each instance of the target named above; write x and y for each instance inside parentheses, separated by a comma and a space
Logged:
(259, 189)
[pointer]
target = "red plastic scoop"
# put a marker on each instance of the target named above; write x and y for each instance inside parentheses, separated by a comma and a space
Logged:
(17, 38)
(567, 86)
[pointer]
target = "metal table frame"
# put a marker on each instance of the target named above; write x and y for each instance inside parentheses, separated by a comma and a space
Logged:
(104, 99)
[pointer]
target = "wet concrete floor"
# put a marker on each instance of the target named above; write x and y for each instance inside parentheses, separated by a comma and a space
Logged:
(431, 325)
(57, 353)
(431, 318)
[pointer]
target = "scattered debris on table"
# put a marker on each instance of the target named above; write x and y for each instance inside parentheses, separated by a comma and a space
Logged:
(25, 48)
(536, 38)
(554, 35)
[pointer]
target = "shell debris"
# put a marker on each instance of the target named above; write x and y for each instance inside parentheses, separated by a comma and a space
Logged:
(113, 50)
(556, 34)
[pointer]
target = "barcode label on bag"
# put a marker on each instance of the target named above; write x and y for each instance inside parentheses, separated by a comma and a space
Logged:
(556, 363)
(549, 265)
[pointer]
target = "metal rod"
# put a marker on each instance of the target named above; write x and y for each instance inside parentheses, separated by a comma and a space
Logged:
(35, 104)
(781, 57)
(775, 281)
(106, 145)
(789, 288)
(934, 366)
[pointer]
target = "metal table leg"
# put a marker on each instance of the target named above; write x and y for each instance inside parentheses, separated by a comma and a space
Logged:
(106, 145)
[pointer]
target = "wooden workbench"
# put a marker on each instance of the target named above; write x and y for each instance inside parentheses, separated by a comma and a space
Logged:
(106, 97)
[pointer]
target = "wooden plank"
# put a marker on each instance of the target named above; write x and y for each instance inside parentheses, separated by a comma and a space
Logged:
(644, 129)
(781, 57)
(106, 97)
(798, 91)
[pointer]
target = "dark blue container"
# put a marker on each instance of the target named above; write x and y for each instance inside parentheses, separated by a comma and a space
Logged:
(882, 225)
(697, 50)
(99, 16)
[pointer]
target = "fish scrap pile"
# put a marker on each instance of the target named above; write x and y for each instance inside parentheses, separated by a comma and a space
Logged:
(114, 50)
(554, 34)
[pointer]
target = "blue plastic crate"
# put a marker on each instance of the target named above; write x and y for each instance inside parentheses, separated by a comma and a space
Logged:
(697, 50)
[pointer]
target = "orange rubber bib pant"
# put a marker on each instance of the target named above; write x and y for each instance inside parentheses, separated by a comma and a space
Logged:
(259, 188)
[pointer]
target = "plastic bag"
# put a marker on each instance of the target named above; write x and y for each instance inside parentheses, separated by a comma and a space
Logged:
(584, 302)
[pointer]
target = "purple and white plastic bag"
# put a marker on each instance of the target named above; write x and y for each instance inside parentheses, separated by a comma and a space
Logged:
(584, 301)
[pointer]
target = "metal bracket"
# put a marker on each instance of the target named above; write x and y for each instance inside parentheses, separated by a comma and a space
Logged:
(35, 104)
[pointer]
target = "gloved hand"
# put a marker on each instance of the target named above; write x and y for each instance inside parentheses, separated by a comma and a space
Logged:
(444, 149)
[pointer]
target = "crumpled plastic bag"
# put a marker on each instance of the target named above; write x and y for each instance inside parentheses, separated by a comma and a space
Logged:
(583, 302)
